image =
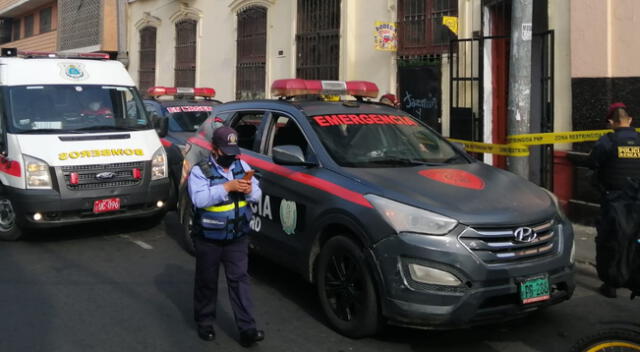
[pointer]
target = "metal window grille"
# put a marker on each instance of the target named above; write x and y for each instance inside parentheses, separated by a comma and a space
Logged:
(147, 71)
(420, 29)
(28, 26)
(185, 72)
(318, 39)
(45, 20)
(252, 49)
(79, 24)
(15, 32)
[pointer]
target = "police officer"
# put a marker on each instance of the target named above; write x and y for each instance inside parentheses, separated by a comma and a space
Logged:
(616, 158)
(221, 224)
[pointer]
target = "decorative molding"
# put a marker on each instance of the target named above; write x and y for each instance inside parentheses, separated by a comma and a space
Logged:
(241, 5)
(186, 12)
(148, 20)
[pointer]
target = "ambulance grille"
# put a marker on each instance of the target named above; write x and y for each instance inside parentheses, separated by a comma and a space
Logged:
(87, 175)
(498, 245)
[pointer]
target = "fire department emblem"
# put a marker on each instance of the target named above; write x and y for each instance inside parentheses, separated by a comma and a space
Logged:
(232, 139)
(288, 216)
(73, 71)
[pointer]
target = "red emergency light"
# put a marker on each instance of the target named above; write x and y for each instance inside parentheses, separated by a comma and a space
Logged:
(196, 92)
(136, 173)
(74, 178)
(295, 86)
(38, 54)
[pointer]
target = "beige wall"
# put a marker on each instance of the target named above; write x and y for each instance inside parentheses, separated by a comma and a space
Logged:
(604, 38)
(216, 54)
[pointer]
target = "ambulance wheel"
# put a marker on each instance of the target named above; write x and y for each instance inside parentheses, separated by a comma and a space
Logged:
(346, 289)
(187, 237)
(9, 230)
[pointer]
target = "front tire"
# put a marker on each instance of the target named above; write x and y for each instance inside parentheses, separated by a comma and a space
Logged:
(619, 340)
(346, 289)
(9, 230)
(187, 237)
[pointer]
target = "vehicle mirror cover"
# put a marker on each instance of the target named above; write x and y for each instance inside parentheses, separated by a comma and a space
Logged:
(289, 155)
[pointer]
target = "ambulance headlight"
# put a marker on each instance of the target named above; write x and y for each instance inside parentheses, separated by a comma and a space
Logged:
(37, 173)
(159, 164)
(405, 218)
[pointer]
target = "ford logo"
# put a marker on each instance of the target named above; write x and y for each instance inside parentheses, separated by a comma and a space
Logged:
(105, 175)
(524, 234)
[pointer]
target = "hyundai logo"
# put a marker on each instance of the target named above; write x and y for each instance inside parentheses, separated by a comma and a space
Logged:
(105, 175)
(524, 234)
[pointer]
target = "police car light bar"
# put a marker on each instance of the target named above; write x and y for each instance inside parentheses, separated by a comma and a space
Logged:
(198, 92)
(295, 86)
(41, 54)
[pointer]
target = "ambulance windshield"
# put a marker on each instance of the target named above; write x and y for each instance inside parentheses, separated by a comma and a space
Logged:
(374, 140)
(74, 109)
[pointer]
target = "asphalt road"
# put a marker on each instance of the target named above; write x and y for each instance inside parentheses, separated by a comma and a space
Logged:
(115, 287)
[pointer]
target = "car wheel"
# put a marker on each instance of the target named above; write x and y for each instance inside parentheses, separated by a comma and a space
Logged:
(346, 290)
(187, 237)
(172, 201)
(9, 230)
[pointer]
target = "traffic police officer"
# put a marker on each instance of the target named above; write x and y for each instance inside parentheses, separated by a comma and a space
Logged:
(616, 158)
(221, 223)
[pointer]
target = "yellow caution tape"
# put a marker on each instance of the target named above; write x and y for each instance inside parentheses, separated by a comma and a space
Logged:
(518, 144)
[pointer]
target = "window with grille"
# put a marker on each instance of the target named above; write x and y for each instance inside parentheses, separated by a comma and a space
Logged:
(45, 20)
(185, 71)
(28, 26)
(15, 31)
(147, 71)
(318, 39)
(251, 52)
(420, 29)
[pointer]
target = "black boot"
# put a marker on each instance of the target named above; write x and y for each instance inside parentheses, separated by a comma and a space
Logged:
(250, 336)
(608, 291)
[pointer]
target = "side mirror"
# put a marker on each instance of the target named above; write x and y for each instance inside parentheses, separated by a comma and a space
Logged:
(161, 124)
(289, 155)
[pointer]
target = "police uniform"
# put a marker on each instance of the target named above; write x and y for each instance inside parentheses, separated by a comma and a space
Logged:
(220, 229)
(616, 159)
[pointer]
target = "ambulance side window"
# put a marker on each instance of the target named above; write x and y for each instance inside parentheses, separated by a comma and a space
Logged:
(247, 125)
(285, 131)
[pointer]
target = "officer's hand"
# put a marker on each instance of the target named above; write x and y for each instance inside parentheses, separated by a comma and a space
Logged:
(237, 186)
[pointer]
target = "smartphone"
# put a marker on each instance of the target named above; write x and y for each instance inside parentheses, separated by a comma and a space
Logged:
(248, 175)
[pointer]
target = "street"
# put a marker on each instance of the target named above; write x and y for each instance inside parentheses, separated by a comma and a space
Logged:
(115, 287)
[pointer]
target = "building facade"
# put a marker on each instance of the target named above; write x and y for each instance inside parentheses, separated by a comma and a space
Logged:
(29, 25)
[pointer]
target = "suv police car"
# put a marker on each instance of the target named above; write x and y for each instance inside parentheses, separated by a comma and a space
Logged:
(180, 112)
(391, 221)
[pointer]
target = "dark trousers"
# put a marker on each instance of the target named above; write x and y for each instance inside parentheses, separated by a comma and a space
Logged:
(234, 257)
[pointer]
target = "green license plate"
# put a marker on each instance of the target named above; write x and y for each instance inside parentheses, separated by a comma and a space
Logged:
(534, 290)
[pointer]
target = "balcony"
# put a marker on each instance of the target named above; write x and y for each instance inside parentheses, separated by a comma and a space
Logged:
(40, 42)
(11, 8)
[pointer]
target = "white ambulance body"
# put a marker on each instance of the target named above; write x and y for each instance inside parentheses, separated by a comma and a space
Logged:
(76, 145)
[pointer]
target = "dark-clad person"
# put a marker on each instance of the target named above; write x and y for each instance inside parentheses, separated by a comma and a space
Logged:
(220, 199)
(616, 160)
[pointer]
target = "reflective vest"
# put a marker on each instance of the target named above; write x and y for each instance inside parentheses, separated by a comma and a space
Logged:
(227, 220)
(623, 162)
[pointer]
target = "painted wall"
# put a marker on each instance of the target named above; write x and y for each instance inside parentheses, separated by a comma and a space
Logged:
(217, 34)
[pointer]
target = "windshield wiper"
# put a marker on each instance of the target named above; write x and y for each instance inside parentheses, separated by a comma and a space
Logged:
(105, 128)
(401, 161)
(455, 158)
(47, 130)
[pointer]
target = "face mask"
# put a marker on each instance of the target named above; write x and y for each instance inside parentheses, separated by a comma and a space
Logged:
(225, 160)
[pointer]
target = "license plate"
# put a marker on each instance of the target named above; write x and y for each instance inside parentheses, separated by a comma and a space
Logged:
(534, 289)
(106, 205)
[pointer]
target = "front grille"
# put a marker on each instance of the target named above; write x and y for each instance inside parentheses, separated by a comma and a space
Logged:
(498, 245)
(122, 175)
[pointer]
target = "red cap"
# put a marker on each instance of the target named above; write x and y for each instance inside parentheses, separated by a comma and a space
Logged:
(613, 107)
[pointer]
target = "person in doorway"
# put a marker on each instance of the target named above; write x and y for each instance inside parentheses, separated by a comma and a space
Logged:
(616, 160)
(220, 194)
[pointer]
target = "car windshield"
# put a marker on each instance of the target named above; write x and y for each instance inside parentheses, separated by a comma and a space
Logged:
(374, 140)
(188, 121)
(74, 109)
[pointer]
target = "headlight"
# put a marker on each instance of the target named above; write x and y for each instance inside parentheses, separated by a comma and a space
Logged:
(37, 173)
(432, 276)
(572, 257)
(159, 164)
(405, 218)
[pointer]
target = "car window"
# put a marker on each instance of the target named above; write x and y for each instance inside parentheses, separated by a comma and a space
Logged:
(373, 140)
(247, 124)
(187, 121)
(285, 131)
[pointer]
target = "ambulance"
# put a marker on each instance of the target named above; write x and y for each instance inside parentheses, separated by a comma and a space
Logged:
(76, 144)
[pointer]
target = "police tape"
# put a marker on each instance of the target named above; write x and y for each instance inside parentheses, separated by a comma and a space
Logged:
(519, 144)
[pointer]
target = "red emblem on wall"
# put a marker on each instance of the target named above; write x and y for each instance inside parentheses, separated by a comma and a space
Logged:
(453, 177)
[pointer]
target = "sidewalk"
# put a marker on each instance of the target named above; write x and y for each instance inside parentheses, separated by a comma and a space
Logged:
(585, 244)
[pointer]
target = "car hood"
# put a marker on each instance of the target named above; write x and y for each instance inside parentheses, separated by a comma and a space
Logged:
(473, 194)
